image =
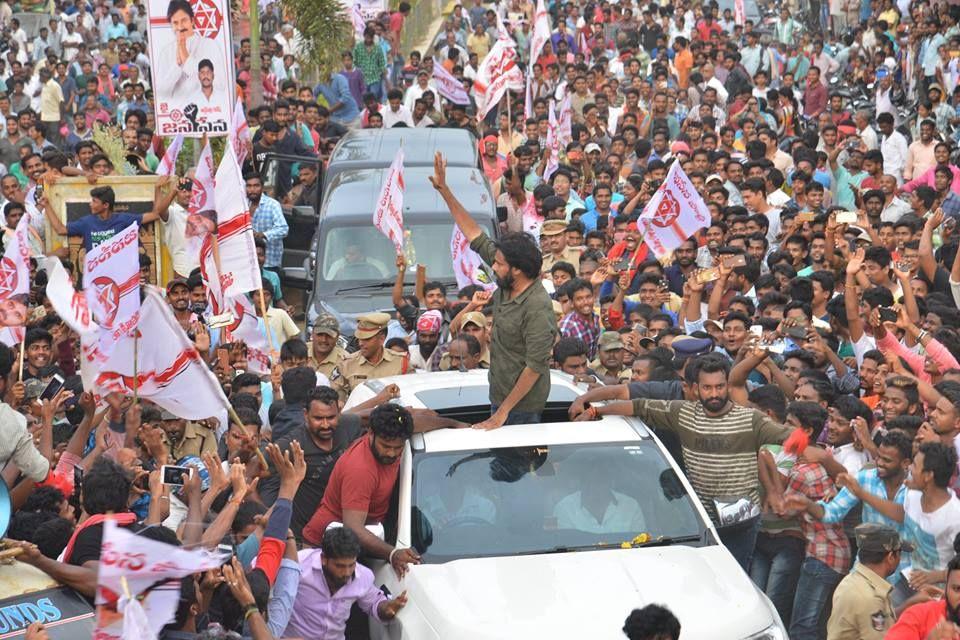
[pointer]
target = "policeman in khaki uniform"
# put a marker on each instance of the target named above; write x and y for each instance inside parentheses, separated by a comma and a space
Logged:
(324, 351)
(862, 609)
(556, 245)
(603, 366)
(371, 361)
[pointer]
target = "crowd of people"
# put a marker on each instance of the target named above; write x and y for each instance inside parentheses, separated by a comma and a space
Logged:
(799, 356)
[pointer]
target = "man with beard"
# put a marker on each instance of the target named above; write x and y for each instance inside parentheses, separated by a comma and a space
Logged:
(178, 297)
(885, 480)
(325, 353)
(521, 346)
(184, 438)
(936, 619)
(331, 581)
(684, 265)
(720, 441)
(360, 486)
(324, 435)
(428, 336)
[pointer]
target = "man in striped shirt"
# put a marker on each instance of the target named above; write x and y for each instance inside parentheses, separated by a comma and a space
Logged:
(719, 440)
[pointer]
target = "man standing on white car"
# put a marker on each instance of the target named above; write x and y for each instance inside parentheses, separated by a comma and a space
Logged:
(720, 441)
(524, 325)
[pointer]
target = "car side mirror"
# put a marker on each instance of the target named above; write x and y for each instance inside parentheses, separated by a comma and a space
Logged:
(421, 532)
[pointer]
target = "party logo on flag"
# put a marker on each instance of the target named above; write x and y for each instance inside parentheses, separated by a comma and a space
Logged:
(108, 295)
(8, 277)
(207, 19)
(667, 212)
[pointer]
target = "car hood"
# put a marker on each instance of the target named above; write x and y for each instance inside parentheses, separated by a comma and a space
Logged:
(588, 594)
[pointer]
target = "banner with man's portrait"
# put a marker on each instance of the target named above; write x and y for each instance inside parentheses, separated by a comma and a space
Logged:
(192, 63)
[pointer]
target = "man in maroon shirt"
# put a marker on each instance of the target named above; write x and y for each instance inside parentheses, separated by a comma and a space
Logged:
(815, 95)
(361, 484)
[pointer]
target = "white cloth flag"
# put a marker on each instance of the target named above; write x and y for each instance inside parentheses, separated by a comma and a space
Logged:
(553, 145)
(70, 304)
(240, 271)
(170, 372)
(531, 220)
(131, 565)
(541, 32)
(388, 216)
(565, 121)
(168, 164)
(498, 72)
(15, 277)
(675, 212)
(467, 264)
(111, 281)
(359, 24)
(448, 85)
(239, 132)
(202, 210)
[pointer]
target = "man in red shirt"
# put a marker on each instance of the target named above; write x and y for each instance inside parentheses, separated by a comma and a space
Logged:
(815, 96)
(934, 620)
(361, 484)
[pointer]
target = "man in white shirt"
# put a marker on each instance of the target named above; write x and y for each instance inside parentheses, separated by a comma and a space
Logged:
(178, 77)
(394, 112)
(70, 41)
(865, 131)
(893, 146)
(415, 92)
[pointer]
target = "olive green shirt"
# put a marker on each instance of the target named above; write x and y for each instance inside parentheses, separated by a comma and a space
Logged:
(524, 329)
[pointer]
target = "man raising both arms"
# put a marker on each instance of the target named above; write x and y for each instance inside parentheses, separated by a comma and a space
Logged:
(524, 325)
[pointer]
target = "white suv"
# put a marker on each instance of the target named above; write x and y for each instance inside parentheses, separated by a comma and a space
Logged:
(525, 531)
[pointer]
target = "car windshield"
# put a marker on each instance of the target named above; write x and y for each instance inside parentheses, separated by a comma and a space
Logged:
(360, 253)
(502, 502)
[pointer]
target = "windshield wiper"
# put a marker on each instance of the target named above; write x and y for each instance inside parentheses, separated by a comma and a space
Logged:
(662, 541)
(372, 285)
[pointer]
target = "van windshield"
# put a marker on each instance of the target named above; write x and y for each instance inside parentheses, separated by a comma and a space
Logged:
(360, 253)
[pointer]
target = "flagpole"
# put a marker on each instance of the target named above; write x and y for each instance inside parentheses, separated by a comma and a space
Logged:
(136, 375)
(509, 124)
(266, 325)
(23, 347)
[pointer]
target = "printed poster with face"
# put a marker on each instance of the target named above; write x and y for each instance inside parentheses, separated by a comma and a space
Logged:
(192, 64)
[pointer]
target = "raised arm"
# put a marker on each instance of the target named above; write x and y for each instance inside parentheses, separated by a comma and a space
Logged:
(928, 265)
(851, 298)
(461, 217)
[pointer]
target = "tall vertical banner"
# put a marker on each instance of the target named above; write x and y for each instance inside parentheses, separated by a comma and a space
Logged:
(541, 32)
(675, 212)
(388, 215)
(191, 62)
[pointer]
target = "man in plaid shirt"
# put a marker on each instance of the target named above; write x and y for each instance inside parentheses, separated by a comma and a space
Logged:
(267, 220)
(582, 322)
(828, 553)
(886, 481)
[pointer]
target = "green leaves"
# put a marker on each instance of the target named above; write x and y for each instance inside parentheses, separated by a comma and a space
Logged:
(326, 31)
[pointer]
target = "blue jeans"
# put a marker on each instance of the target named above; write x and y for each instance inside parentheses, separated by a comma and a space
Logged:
(518, 417)
(776, 570)
(812, 603)
(741, 540)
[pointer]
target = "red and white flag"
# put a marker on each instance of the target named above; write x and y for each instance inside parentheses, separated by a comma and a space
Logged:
(448, 85)
(739, 12)
(240, 132)
(15, 277)
(553, 145)
(130, 565)
(675, 212)
(528, 97)
(565, 121)
(541, 32)
(239, 269)
(169, 370)
(168, 164)
(202, 210)
(388, 216)
(111, 281)
(467, 265)
(70, 304)
(498, 72)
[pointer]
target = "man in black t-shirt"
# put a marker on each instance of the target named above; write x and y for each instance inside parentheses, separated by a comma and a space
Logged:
(324, 436)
